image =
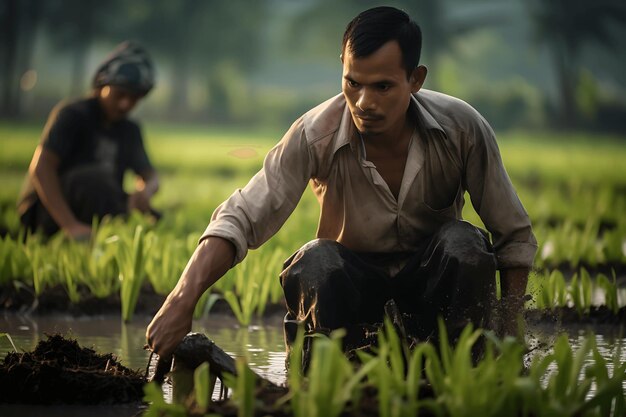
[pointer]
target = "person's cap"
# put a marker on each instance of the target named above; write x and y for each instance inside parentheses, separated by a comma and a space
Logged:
(128, 66)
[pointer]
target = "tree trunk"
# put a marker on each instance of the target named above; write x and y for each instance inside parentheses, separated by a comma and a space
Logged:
(28, 35)
(9, 60)
(566, 73)
(79, 63)
(178, 106)
(79, 69)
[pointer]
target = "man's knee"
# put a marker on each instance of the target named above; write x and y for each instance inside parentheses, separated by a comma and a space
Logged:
(92, 190)
(319, 253)
(467, 245)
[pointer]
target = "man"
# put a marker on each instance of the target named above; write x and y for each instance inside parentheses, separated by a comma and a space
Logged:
(389, 163)
(87, 145)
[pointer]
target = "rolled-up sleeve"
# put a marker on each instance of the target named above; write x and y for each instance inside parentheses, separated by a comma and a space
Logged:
(495, 200)
(252, 215)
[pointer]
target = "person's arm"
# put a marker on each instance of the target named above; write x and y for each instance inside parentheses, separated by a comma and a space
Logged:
(247, 219)
(495, 200)
(147, 184)
(211, 260)
(512, 290)
(44, 172)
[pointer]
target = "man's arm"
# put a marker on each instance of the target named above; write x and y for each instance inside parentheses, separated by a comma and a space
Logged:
(513, 289)
(44, 172)
(147, 185)
(212, 258)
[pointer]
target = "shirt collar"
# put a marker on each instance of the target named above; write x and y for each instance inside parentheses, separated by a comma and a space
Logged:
(347, 134)
(427, 121)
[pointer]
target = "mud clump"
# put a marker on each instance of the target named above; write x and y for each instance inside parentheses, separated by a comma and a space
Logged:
(61, 371)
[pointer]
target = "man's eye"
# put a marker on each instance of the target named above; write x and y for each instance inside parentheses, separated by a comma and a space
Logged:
(384, 87)
(353, 84)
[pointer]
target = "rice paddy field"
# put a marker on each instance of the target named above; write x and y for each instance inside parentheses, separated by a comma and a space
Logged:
(572, 184)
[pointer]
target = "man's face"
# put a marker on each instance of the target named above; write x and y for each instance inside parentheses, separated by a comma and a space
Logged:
(117, 102)
(378, 91)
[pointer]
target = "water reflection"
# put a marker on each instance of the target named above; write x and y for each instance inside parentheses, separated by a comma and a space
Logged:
(261, 344)
(610, 342)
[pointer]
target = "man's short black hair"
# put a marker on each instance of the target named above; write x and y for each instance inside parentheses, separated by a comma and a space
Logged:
(371, 29)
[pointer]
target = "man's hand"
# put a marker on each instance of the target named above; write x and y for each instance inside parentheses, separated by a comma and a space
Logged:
(139, 200)
(168, 327)
(147, 184)
(78, 231)
(513, 288)
(209, 262)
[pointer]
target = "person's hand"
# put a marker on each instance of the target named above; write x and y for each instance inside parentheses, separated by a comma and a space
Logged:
(513, 282)
(168, 327)
(139, 200)
(78, 231)
(511, 317)
(210, 261)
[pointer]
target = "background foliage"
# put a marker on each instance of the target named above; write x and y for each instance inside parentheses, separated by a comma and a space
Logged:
(522, 63)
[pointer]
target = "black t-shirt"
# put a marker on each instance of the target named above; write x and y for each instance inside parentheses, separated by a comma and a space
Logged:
(76, 132)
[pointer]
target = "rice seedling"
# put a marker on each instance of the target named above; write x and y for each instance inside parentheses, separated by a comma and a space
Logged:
(396, 375)
(331, 383)
(166, 261)
(553, 292)
(153, 395)
(42, 267)
(463, 389)
(580, 292)
(608, 387)
(65, 270)
(614, 243)
(14, 261)
(550, 291)
(130, 259)
(91, 265)
(205, 303)
(243, 386)
(610, 291)
(8, 336)
(571, 245)
(561, 382)
(253, 284)
(567, 390)
(203, 386)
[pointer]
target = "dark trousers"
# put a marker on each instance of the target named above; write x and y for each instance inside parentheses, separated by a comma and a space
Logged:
(452, 275)
(89, 191)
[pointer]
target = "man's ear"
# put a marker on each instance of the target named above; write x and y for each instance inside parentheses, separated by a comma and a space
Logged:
(417, 78)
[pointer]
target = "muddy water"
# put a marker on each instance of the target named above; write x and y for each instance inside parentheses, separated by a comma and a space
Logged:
(261, 343)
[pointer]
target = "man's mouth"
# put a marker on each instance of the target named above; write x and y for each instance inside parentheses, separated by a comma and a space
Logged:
(369, 117)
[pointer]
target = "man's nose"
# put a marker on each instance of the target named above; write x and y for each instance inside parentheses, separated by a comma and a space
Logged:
(126, 104)
(366, 101)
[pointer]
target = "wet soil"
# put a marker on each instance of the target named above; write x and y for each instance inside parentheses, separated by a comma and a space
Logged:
(59, 371)
(597, 315)
(22, 299)
(268, 396)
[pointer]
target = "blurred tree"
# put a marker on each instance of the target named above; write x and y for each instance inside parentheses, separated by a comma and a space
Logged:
(74, 25)
(564, 26)
(195, 36)
(19, 27)
(9, 16)
(441, 23)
